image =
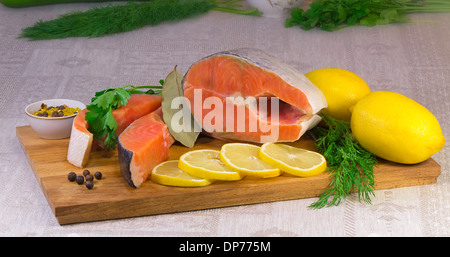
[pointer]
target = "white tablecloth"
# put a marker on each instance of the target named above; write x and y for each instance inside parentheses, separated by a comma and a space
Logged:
(412, 59)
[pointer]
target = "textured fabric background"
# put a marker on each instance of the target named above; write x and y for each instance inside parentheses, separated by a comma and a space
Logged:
(412, 59)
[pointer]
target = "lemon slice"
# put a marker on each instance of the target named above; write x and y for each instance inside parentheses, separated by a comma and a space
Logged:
(244, 158)
(167, 173)
(293, 160)
(207, 164)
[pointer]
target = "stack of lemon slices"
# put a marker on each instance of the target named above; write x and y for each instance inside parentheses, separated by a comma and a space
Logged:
(234, 161)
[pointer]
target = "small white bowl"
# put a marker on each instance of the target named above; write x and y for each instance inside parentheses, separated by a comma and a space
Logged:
(275, 8)
(52, 127)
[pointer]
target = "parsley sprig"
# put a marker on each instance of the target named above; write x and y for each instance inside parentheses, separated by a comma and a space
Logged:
(349, 165)
(99, 116)
(331, 15)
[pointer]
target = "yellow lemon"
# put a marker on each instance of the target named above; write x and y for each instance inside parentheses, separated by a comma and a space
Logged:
(207, 164)
(342, 89)
(293, 160)
(396, 128)
(167, 173)
(244, 158)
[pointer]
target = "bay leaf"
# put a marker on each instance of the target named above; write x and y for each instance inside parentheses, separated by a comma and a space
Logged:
(176, 110)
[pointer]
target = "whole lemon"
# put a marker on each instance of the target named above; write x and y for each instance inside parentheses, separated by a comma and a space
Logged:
(396, 128)
(342, 89)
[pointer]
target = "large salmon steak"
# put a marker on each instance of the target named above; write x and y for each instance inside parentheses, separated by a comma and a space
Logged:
(249, 95)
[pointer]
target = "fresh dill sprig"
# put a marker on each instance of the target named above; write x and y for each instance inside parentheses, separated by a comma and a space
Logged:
(99, 116)
(112, 19)
(349, 165)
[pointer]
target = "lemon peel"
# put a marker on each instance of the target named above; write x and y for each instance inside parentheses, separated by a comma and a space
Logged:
(342, 89)
(396, 128)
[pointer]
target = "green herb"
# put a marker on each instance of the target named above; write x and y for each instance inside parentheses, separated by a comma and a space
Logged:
(99, 116)
(331, 15)
(112, 19)
(350, 166)
(176, 112)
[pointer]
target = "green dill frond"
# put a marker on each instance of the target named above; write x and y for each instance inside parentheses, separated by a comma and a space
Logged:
(350, 166)
(111, 19)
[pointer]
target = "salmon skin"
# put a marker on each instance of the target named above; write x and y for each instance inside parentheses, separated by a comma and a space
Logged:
(249, 95)
(142, 145)
(82, 141)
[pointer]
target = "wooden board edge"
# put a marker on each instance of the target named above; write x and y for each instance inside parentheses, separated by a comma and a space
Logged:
(33, 167)
(240, 196)
(154, 206)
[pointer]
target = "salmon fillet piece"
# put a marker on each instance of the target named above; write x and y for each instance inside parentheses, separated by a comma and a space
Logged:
(249, 95)
(143, 145)
(82, 141)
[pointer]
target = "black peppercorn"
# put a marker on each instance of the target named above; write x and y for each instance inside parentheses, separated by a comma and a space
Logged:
(98, 175)
(79, 180)
(71, 176)
(86, 172)
(89, 177)
(89, 184)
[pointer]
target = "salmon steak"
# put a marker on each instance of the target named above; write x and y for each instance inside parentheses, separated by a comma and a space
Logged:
(82, 140)
(143, 145)
(249, 95)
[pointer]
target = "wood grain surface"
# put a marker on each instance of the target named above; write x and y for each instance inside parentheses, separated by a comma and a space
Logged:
(112, 198)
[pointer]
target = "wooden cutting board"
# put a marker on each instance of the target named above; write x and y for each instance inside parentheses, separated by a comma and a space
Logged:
(112, 198)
